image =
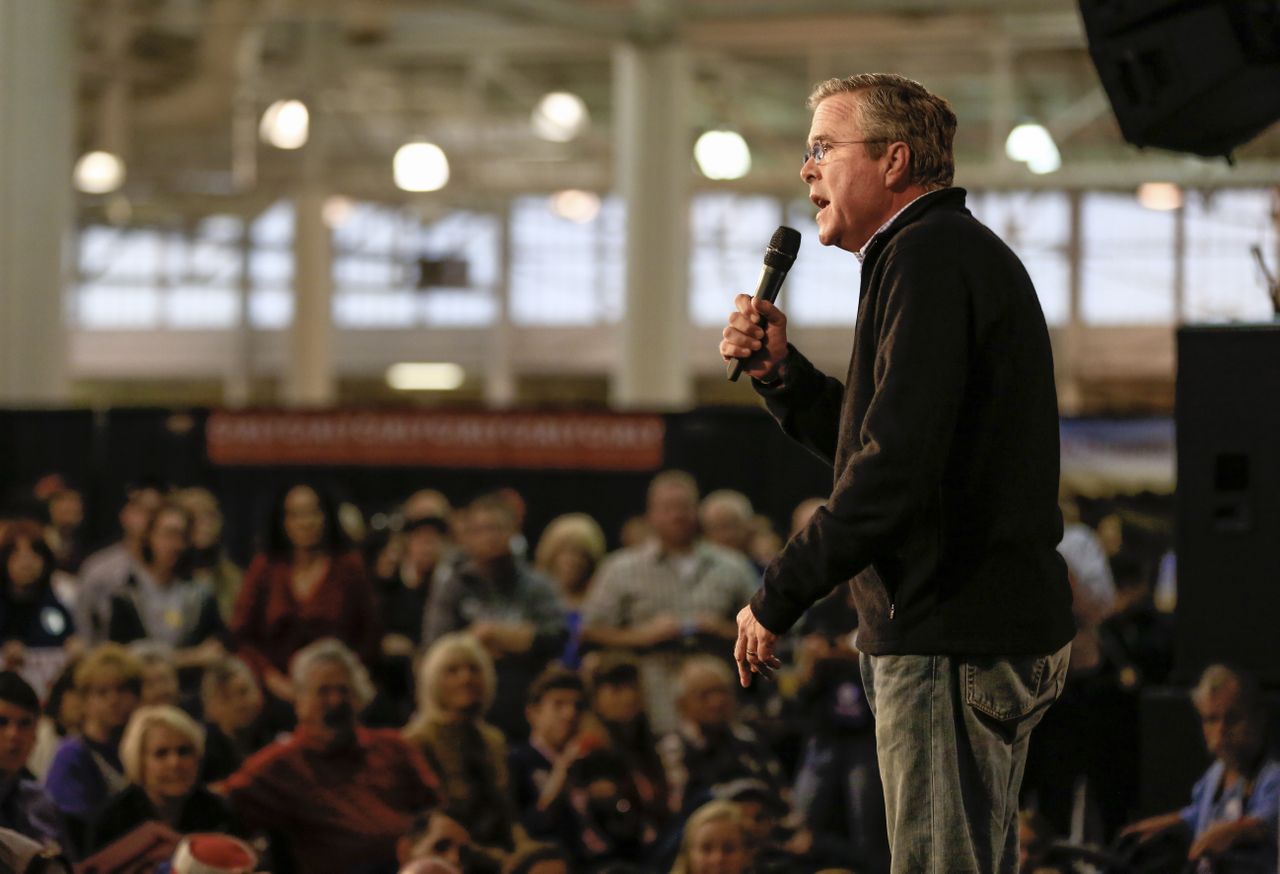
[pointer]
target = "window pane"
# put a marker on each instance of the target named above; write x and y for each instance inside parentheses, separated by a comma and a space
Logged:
(729, 235)
(118, 307)
(97, 248)
(375, 309)
(224, 229)
(268, 268)
(457, 309)
(822, 288)
(212, 263)
(564, 272)
(1127, 262)
(274, 227)
(470, 236)
(131, 256)
(352, 272)
(376, 268)
(271, 309)
(1223, 281)
(147, 278)
(369, 228)
(196, 307)
(1037, 226)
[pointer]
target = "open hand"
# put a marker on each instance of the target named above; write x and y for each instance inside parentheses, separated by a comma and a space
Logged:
(754, 650)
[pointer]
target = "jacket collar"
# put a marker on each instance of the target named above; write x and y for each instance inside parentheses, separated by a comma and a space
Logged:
(943, 198)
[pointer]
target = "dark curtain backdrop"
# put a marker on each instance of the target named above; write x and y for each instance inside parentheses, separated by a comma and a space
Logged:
(100, 452)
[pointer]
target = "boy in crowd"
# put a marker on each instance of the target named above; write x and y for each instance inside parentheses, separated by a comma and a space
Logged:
(540, 766)
(24, 805)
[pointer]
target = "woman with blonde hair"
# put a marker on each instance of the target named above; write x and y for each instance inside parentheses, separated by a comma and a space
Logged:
(86, 770)
(456, 683)
(161, 753)
(233, 709)
(568, 553)
(714, 841)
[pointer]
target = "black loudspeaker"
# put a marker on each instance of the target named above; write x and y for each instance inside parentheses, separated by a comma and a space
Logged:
(1173, 752)
(1201, 77)
(1228, 529)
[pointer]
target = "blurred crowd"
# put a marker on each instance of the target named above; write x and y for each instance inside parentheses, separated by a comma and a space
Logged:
(434, 693)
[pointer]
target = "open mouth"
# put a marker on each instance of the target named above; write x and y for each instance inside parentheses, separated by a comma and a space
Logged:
(820, 202)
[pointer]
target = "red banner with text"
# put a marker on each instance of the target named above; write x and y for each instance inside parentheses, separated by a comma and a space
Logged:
(569, 441)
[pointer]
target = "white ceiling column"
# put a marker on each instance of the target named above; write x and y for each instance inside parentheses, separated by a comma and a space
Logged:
(652, 168)
(500, 389)
(310, 378)
(37, 88)
(311, 373)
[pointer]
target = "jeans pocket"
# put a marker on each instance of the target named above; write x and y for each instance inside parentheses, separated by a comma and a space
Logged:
(1005, 688)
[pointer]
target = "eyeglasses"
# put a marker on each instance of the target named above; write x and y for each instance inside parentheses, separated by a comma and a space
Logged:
(819, 149)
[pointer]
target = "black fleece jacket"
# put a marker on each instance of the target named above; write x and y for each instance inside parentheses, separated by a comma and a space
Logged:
(944, 445)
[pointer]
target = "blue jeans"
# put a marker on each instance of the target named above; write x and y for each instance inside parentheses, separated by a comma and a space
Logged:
(952, 735)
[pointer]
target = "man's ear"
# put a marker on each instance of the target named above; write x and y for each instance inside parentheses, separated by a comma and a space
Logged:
(897, 174)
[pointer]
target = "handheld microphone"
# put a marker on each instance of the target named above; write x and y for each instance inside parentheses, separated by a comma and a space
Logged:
(778, 259)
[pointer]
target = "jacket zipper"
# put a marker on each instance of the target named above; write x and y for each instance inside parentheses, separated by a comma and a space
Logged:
(892, 609)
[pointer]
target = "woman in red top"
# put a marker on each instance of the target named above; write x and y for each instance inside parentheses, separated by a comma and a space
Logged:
(305, 585)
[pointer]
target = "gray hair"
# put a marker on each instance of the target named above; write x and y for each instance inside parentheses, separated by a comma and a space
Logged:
(893, 109)
(1219, 678)
(735, 502)
(219, 674)
(694, 665)
(679, 478)
(330, 650)
(143, 720)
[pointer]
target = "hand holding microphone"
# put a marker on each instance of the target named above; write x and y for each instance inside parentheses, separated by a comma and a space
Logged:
(755, 339)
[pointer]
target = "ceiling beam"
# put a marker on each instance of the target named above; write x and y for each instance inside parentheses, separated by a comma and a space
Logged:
(574, 17)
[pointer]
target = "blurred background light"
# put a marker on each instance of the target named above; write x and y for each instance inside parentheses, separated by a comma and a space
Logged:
(575, 205)
(1033, 145)
(99, 173)
(337, 210)
(425, 376)
(421, 167)
(286, 124)
(722, 154)
(559, 117)
(1160, 196)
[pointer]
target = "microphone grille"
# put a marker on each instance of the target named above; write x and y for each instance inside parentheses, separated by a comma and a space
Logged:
(783, 246)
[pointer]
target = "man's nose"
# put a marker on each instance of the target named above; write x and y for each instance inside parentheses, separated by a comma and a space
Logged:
(808, 170)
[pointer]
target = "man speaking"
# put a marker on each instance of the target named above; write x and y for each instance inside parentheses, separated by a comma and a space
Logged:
(943, 440)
